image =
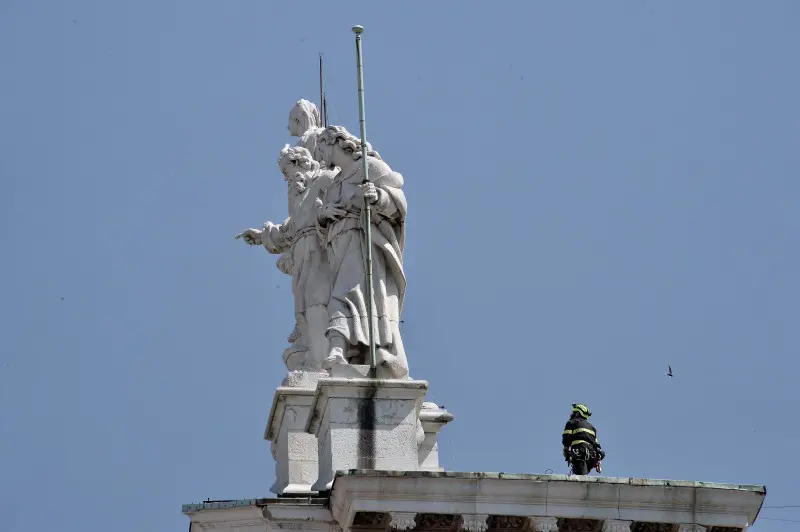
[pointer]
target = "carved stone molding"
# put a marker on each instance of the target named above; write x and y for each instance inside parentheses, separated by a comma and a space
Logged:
(614, 525)
(579, 525)
(544, 524)
(437, 522)
(402, 520)
(641, 501)
(507, 522)
(697, 528)
(474, 522)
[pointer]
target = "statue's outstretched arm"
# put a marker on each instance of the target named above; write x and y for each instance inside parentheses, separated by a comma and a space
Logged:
(275, 237)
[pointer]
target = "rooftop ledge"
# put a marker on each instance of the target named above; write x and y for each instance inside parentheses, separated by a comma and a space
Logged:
(548, 478)
(361, 492)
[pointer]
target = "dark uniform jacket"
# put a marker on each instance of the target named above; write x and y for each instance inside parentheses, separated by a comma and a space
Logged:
(579, 430)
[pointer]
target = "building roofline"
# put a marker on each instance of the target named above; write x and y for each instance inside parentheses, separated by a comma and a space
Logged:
(547, 478)
(324, 500)
(249, 503)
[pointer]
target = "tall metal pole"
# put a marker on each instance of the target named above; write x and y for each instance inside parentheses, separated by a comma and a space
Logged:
(321, 94)
(367, 208)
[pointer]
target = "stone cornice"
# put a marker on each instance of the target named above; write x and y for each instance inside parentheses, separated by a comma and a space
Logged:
(282, 511)
(278, 408)
(600, 498)
(245, 516)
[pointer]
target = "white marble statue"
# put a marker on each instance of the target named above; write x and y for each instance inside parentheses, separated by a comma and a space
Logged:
(305, 122)
(341, 221)
(304, 257)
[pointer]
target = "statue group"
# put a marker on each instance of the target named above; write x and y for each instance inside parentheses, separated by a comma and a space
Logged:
(322, 245)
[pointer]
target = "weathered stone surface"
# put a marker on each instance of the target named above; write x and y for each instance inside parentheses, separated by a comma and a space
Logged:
(366, 424)
(433, 418)
(596, 499)
(443, 502)
(295, 450)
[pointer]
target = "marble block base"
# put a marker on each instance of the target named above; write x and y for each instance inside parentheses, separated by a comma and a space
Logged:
(366, 424)
(432, 418)
(294, 450)
(350, 371)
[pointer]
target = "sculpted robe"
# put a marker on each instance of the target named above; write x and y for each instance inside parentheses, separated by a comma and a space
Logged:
(304, 256)
(308, 140)
(347, 257)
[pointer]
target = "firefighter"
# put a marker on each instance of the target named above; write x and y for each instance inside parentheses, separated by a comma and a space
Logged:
(579, 440)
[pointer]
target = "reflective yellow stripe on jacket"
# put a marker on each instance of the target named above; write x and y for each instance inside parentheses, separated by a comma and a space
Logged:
(576, 431)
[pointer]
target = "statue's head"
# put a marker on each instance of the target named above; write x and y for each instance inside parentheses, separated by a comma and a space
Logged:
(337, 145)
(297, 166)
(303, 116)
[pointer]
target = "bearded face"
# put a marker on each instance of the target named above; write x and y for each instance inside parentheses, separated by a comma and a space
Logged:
(298, 182)
(297, 167)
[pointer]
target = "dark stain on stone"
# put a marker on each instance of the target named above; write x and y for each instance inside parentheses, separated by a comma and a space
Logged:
(366, 429)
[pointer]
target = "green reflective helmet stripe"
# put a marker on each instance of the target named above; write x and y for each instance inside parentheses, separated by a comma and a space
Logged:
(581, 409)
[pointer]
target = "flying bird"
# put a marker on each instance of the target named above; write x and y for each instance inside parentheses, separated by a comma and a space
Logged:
(669, 373)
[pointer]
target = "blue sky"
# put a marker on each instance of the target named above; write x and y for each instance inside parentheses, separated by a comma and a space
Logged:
(596, 190)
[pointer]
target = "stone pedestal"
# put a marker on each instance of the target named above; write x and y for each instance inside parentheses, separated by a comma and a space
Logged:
(366, 424)
(433, 418)
(294, 450)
